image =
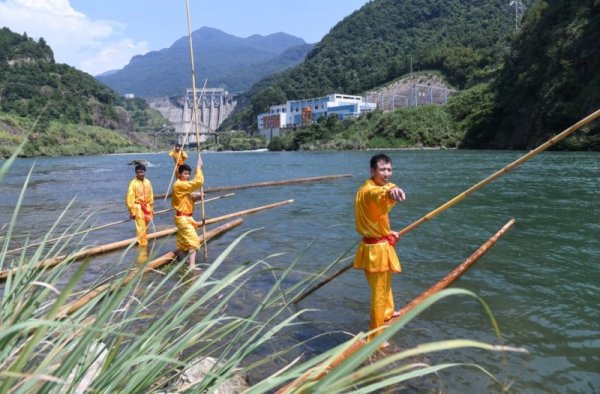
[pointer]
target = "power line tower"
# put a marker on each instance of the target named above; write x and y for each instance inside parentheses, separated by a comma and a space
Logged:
(519, 11)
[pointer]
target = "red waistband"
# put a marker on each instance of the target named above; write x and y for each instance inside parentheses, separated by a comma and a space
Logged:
(182, 214)
(145, 209)
(386, 238)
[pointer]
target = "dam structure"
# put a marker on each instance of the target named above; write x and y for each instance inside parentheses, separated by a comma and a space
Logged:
(214, 106)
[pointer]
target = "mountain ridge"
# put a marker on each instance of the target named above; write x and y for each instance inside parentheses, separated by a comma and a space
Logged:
(219, 56)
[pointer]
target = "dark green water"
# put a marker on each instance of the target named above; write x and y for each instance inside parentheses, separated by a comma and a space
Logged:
(541, 280)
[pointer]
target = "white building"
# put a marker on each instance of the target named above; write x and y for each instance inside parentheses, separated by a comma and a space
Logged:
(302, 113)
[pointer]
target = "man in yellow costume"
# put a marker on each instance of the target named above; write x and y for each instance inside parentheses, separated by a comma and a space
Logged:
(376, 254)
(179, 156)
(140, 203)
(183, 204)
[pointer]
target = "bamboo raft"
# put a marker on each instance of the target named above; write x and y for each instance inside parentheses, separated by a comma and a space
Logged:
(154, 264)
(48, 263)
(321, 370)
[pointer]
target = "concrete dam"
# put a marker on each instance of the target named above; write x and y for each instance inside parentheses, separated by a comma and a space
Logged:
(214, 106)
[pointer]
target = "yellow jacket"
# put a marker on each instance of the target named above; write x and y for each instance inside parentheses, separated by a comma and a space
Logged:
(139, 193)
(178, 157)
(371, 207)
(181, 199)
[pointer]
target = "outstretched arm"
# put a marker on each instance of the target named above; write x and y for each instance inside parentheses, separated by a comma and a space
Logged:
(397, 194)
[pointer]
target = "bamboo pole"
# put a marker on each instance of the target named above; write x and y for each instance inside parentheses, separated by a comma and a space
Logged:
(440, 285)
(473, 189)
(122, 244)
(104, 226)
(196, 123)
(154, 264)
(271, 183)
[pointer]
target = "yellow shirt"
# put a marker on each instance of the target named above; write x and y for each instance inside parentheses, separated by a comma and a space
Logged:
(178, 157)
(371, 207)
(181, 198)
(139, 192)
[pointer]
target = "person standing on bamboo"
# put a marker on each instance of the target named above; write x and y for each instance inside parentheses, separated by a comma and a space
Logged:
(183, 204)
(140, 203)
(179, 156)
(376, 255)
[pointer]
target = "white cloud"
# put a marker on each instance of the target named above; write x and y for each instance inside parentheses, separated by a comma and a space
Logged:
(93, 46)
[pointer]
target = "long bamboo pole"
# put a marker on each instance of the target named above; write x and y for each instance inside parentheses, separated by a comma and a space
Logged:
(473, 189)
(104, 226)
(154, 264)
(451, 277)
(196, 122)
(48, 263)
(271, 183)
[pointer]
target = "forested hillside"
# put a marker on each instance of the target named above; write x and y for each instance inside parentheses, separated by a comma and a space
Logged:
(64, 110)
(549, 81)
(225, 60)
(466, 40)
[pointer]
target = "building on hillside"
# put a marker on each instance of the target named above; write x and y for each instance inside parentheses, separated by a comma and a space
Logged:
(303, 113)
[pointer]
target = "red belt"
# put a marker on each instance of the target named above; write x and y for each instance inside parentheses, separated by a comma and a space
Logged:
(386, 238)
(145, 209)
(182, 214)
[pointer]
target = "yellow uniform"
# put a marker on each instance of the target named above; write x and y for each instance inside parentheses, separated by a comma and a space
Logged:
(140, 202)
(376, 254)
(178, 157)
(182, 203)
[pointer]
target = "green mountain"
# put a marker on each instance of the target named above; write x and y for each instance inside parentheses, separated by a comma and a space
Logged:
(549, 81)
(465, 40)
(225, 60)
(61, 109)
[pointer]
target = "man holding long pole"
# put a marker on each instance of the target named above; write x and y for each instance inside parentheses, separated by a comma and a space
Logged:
(376, 254)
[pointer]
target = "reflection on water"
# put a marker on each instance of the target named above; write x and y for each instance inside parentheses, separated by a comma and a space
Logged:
(541, 279)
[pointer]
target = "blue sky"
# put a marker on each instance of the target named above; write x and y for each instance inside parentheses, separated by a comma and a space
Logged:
(100, 35)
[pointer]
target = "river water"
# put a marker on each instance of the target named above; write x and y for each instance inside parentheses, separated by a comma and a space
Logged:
(541, 279)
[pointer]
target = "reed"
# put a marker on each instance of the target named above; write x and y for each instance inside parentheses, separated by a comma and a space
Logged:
(138, 337)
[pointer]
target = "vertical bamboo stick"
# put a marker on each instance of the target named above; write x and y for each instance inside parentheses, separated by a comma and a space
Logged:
(196, 121)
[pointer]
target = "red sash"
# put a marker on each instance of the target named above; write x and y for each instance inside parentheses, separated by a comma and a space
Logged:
(386, 238)
(147, 212)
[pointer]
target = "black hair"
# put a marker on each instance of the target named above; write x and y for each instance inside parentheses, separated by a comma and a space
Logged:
(140, 167)
(184, 167)
(178, 145)
(379, 157)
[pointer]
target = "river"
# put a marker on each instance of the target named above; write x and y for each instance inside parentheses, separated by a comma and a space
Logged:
(541, 279)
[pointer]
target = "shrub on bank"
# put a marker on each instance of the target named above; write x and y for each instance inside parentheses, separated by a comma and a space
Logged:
(422, 126)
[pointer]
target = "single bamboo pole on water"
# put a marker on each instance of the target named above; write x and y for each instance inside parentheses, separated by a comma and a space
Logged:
(154, 264)
(270, 183)
(103, 226)
(471, 190)
(440, 285)
(196, 122)
(48, 263)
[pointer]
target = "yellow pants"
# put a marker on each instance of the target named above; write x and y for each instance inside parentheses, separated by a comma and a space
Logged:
(142, 254)
(382, 299)
(187, 237)
(141, 227)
